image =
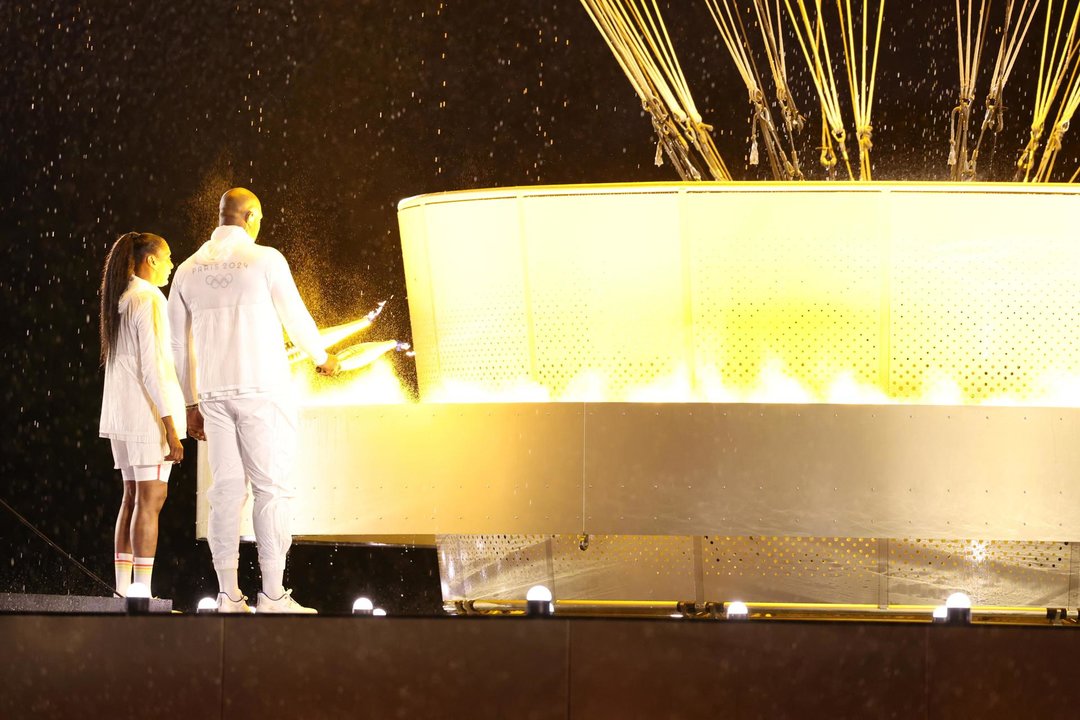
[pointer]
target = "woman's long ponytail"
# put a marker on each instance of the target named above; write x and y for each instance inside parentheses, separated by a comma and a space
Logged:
(126, 254)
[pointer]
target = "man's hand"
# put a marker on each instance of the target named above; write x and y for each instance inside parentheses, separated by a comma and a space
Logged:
(329, 367)
(195, 423)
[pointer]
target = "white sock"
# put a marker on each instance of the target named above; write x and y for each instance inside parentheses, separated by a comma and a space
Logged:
(122, 566)
(144, 568)
(273, 583)
(228, 583)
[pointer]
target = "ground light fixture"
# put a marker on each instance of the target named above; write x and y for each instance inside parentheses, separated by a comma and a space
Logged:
(138, 598)
(207, 605)
(378, 612)
(538, 602)
(736, 610)
(362, 606)
(958, 608)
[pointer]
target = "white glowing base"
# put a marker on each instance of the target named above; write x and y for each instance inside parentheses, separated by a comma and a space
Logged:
(684, 469)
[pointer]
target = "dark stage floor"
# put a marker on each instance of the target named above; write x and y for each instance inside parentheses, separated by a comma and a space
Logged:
(189, 666)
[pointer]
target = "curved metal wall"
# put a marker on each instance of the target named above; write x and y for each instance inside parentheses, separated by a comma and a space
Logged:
(597, 292)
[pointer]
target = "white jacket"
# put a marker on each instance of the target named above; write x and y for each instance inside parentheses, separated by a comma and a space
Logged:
(227, 306)
(140, 382)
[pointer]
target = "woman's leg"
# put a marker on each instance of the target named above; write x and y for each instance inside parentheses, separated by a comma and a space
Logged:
(122, 554)
(149, 497)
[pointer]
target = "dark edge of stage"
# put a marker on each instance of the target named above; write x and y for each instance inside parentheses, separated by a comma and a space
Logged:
(73, 604)
(497, 667)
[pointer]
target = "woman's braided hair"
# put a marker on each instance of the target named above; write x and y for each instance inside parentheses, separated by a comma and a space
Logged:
(126, 254)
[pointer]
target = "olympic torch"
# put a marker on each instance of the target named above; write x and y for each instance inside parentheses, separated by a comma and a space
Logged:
(337, 333)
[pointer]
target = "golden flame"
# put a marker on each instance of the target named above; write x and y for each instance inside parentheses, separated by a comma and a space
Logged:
(379, 384)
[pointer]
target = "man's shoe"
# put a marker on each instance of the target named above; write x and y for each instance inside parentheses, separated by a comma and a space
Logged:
(284, 604)
(226, 604)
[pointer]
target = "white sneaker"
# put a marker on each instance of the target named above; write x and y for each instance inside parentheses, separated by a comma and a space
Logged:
(226, 604)
(284, 604)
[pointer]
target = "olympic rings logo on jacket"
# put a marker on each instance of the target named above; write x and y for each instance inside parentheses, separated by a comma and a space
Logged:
(219, 282)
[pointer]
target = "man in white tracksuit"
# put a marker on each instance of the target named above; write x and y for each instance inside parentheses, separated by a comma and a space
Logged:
(227, 306)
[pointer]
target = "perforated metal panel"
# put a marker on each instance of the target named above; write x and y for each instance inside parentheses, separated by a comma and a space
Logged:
(791, 569)
(585, 294)
(771, 288)
(988, 300)
(945, 293)
(418, 284)
(493, 566)
(595, 567)
(990, 572)
(760, 569)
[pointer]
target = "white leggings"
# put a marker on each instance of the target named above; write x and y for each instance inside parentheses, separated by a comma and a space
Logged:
(141, 473)
(250, 438)
(131, 459)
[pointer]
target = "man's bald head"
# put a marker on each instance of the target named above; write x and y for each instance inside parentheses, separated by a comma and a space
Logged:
(239, 206)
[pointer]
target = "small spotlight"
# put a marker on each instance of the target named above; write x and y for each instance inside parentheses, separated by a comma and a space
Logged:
(378, 612)
(138, 598)
(362, 606)
(958, 600)
(538, 602)
(958, 608)
(736, 610)
(941, 614)
(207, 605)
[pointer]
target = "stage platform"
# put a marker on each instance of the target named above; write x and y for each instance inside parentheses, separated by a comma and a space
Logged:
(29, 603)
(333, 667)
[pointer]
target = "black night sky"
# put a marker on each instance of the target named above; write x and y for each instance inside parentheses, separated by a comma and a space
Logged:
(137, 116)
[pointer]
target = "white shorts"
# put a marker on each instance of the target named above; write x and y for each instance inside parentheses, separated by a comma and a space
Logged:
(138, 461)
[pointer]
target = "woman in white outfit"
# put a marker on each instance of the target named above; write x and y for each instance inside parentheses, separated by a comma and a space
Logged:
(142, 408)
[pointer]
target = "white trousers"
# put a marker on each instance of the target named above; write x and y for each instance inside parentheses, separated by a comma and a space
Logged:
(251, 439)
